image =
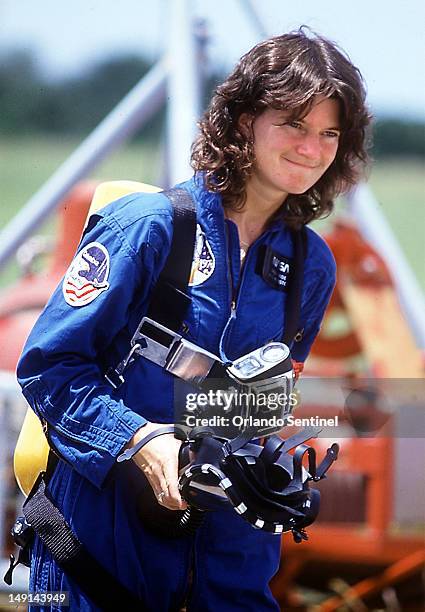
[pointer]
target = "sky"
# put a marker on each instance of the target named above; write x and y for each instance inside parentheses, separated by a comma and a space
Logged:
(384, 38)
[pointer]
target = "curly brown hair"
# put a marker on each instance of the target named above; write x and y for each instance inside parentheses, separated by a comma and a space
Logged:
(286, 73)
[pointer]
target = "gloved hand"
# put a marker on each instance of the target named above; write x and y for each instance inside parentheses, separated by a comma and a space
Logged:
(158, 460)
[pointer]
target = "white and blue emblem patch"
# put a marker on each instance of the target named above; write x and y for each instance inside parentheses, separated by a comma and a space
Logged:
(87, 275)
(203, 264)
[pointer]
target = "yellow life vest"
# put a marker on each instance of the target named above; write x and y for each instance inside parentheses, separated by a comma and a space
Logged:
(32, 449)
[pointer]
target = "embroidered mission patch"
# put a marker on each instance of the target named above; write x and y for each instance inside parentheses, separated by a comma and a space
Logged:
(87, 275)
(203, 264)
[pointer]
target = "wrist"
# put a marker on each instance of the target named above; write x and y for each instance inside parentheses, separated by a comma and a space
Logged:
(146, 435)
(145, 429)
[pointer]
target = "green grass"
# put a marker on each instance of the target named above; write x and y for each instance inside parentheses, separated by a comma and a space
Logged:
(26, 164)
(399, 187)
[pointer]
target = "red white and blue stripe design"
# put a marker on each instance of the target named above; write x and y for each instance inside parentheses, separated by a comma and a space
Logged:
(86, 277)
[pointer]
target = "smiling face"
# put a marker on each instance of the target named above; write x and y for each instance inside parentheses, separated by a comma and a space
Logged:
(291, 156)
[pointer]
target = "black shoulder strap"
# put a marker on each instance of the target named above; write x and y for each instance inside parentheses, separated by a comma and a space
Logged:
(169, 300)
(293, 301)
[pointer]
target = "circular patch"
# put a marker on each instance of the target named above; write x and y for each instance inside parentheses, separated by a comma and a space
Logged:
(203, 264)
(87, 275)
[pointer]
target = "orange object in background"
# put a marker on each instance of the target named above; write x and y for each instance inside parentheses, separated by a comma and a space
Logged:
(357, 262)
(21, 303)
(366, 297)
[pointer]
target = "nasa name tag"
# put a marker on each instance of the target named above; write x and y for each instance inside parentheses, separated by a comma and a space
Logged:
(275, 268)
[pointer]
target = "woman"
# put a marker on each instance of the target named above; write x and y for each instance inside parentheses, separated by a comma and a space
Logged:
(282, 136)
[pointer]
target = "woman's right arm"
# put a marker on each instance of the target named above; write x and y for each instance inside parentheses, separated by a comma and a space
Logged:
(59, 369)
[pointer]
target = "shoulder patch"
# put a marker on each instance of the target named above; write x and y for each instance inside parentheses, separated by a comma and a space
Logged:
(203, 264)
(87, 276)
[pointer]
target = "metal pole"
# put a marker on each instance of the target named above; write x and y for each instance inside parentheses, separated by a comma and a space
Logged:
(130, 114)
(184, 91)
(375, 228)
(257, 21)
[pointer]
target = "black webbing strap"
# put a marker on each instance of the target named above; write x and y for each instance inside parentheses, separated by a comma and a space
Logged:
(231, 446)
(275, 445)
(330, 457)
(293, 300)
(300, 437)
(70, 554)
(169, 300)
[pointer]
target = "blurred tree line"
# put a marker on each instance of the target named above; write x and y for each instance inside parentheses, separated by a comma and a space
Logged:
(75, 105)
(30, 103)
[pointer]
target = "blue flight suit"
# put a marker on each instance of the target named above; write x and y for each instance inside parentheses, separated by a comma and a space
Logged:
(87, 326)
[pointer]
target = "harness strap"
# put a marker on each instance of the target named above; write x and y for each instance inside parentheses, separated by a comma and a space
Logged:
(71, 555)
(293, 300)
(297, 482)
(169, 300)
(275, 444)
(172, 284)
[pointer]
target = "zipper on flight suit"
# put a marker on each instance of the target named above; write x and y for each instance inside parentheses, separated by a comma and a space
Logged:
(234, 292)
